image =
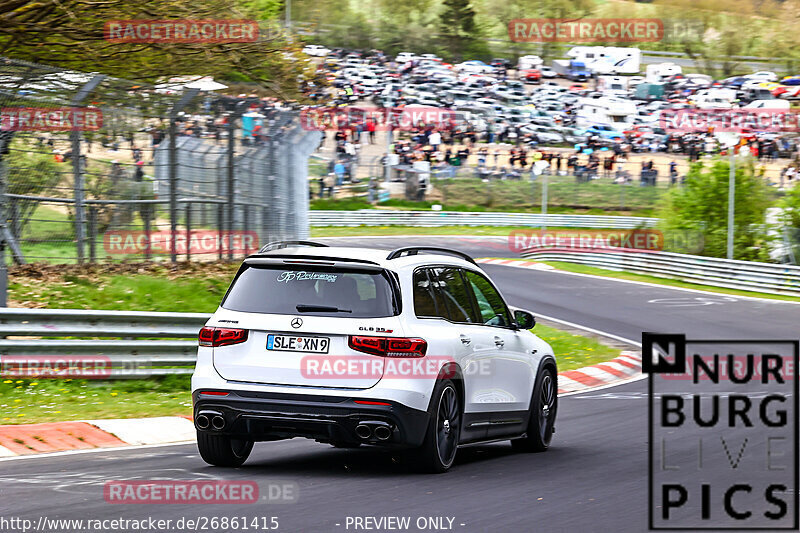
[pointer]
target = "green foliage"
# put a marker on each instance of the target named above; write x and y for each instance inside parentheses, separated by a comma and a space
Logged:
(71, 34)
(30, 172)
(343, 204)
(702, 205)
(457, 26)
(791, 206)
(791, 217)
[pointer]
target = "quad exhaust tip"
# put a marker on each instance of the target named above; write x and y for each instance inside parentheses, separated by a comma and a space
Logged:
(218, 422)
(374, 430)
(363, 431)
(383, 432)
(202, 421)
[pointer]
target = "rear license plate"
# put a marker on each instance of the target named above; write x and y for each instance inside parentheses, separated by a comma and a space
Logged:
(293, 343)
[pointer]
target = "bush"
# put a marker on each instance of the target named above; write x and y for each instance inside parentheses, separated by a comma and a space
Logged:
(702, 205)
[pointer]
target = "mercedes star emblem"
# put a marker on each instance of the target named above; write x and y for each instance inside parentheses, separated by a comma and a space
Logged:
(297, 322)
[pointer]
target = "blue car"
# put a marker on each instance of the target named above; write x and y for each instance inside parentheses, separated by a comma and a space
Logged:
(604, 132)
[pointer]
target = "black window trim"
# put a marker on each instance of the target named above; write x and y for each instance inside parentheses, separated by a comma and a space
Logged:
(473, 299)
(427, 273)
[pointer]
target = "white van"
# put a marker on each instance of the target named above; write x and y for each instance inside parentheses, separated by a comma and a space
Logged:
(775, 103)
(661, 71)
(527, 62)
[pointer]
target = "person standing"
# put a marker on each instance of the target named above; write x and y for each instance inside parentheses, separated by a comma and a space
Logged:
(339, 170)
(435, 139)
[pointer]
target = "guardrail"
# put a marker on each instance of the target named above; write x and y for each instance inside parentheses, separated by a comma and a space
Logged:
(731, 274)
(122, 350)
(379, 217)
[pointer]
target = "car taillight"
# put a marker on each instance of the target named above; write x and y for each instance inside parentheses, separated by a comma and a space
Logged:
(388, 346)
(215, 337)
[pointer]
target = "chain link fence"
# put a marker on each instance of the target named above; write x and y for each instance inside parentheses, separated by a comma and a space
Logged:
(97, 169)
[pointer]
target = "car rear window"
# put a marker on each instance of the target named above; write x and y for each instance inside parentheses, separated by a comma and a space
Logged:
(312, 291)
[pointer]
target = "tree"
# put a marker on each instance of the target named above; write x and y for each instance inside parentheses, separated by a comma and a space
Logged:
(791, 218)
(70, 34)
(457, 26)
(701, 205)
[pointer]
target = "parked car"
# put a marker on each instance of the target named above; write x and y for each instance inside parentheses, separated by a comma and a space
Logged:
(548, 72)
(316, 50)
(530, 75)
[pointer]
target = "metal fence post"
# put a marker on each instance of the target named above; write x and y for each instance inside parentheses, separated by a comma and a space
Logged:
(188, 231)
(92, 233)
(5, 140)
(147, 236)
(187, 97)
(731, 202)
(231, 178)
(77, 166)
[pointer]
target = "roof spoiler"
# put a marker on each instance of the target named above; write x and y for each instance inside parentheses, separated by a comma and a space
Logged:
(276, 245)
(414, 250)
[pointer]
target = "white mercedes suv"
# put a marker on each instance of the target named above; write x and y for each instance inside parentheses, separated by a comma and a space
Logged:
(414, 349)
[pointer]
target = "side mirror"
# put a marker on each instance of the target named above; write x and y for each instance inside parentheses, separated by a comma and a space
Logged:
(524, 319)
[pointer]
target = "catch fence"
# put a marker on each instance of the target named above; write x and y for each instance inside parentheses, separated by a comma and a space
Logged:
(95, 169)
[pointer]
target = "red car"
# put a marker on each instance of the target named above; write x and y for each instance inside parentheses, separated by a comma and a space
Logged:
(530, 74)
(786, 91)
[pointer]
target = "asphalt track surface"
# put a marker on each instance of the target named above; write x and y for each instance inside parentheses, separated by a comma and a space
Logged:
(594, 477)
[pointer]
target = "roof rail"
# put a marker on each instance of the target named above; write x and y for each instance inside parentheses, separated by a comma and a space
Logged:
(285, 244)
(414, 250)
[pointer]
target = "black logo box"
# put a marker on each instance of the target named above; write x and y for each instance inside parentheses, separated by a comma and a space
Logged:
(678, 366)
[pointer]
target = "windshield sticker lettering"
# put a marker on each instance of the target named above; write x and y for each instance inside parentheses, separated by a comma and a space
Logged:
(301, 275)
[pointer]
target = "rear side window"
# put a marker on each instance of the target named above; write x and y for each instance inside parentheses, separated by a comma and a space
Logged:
(425, 304)
(312, 291)
(453, 293)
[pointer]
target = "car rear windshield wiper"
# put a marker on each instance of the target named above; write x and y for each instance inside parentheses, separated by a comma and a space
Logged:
(307, 308)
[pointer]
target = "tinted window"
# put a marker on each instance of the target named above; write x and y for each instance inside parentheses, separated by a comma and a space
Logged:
(425, 304)
(453, 292)
(268, 289)
(490, 304)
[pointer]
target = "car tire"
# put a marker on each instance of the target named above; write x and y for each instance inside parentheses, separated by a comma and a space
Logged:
(221, 450)
(438, 450)
(544, 405)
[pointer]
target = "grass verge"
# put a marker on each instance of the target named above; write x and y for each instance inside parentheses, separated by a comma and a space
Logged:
(349, 231)
(584, 269)
(50, 400)
(466, 202)
(179, 288)
(46, 400)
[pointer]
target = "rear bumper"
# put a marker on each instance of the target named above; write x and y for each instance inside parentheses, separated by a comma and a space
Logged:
(264, 416)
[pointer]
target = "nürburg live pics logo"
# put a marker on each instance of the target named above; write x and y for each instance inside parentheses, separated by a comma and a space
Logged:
(723, 433)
